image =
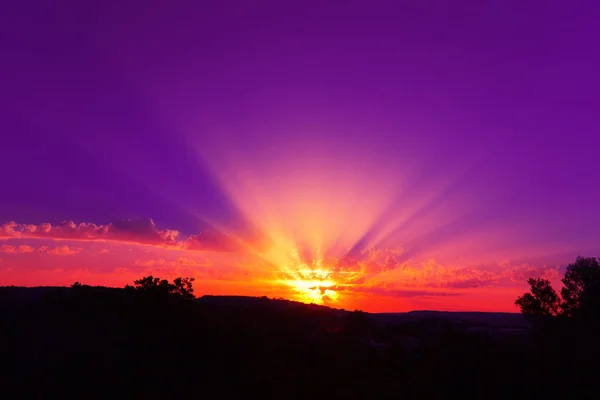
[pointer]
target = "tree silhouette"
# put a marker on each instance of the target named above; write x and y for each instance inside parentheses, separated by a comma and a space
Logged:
(543, 299)
(581, 290)
(183, 288)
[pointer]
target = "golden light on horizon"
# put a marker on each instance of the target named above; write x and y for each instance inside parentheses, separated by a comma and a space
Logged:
(314, 291)
(310, 282)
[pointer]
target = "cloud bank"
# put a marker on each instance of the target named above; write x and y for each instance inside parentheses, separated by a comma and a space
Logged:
(141, 231)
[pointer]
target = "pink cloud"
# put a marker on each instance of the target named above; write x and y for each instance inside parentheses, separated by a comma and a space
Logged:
(397, 291)
(520, 273)
(211, 240)
(12, 229)
(7, 248)
(180, 267)
(193, 263)
(469, 278)
(142, 231)
(388, 264)
(380, 260)
(25, 249)
(150, 263)
(62, 251)
(429, 274)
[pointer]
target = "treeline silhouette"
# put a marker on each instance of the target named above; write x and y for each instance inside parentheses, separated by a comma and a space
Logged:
(155, 339)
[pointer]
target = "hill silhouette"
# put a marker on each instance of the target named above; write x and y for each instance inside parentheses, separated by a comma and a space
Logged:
(98, 342)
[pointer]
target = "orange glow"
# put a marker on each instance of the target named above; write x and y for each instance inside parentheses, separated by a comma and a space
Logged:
(310, 284)
(314, 291)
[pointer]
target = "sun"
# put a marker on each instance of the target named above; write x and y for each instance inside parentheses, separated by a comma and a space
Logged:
(314, 291)
(311, 284)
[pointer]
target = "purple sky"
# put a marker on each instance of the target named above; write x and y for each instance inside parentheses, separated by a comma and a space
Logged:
(132, 109)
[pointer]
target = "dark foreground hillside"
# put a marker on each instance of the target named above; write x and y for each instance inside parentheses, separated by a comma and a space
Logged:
(92, 342)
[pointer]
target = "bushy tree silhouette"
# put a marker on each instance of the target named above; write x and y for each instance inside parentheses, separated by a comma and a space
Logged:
(156, 287)
(581, 290)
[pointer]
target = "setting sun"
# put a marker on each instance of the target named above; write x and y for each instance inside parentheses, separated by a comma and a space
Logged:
(310, 282)
(314, 291)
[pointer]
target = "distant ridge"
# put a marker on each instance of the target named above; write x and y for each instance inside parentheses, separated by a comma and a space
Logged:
(254, 302)
(20, 294)
(495, 319)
